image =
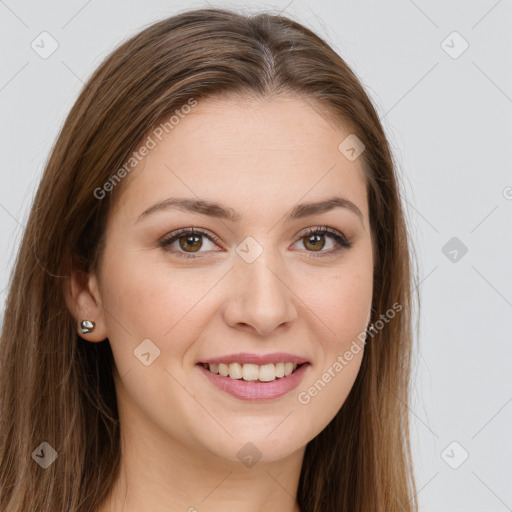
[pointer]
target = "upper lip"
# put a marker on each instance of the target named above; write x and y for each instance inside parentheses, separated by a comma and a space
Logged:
(259, 359)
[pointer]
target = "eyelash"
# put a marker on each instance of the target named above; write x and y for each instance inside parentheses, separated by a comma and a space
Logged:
(339, 238)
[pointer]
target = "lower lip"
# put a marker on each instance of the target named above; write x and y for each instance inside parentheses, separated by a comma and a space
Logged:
(255, 390)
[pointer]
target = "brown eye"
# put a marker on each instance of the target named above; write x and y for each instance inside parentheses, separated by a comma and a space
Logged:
(314, 242)
(192, 242)
(187, 242)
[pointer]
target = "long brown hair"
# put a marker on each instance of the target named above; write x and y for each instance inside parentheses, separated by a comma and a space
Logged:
(57, 388)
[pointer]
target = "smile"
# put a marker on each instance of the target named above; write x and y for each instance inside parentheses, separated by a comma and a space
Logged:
(253, 372)
(254, 389)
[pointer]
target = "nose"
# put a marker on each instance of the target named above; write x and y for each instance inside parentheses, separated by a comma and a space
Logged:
(260, 298)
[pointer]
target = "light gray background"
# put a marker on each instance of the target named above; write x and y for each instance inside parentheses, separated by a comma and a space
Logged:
(449, 121)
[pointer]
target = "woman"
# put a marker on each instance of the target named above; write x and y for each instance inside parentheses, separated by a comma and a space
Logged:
(211, 304)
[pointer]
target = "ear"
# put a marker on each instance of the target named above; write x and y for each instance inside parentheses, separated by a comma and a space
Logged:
(84, 301)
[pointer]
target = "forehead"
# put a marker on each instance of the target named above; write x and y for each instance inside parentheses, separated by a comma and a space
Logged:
(241, 151)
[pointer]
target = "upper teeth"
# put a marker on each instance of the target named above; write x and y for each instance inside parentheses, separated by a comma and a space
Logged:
(264, 372)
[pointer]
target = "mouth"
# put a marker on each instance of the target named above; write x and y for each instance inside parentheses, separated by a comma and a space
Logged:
(254, 382)
(250, 372)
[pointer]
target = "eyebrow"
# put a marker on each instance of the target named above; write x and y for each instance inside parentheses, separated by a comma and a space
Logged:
(217, 210)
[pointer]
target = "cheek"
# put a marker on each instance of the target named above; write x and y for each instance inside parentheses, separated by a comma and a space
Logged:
(349, 305)
(341, 299)
(342, 309)
(340, 302)
(146, 299)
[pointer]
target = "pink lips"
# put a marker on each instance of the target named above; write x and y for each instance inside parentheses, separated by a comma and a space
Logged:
(255, 390)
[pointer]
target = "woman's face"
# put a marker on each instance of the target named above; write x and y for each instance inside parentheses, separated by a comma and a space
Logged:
(257, 284)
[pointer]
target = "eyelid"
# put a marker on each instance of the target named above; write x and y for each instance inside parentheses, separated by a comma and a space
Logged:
(341, 240)
(170, 238)
(324, 230)
(339, 237)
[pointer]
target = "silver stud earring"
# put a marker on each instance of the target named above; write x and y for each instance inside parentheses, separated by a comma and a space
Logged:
(87, 326)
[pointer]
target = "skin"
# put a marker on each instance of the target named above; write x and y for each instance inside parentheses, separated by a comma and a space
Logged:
(180, 434)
